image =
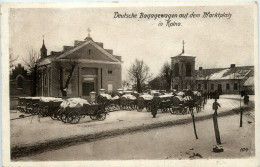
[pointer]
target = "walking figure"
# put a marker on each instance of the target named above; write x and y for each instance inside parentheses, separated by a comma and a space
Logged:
(246, 99)
(215, 121)
(154, 107)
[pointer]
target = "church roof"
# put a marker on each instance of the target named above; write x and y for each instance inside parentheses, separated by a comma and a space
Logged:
(249, 81)
(67, 50)
(224, 73)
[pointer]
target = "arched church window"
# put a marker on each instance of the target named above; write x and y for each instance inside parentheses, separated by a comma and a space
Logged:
(188, 70)
(176, 70)
(20, 82)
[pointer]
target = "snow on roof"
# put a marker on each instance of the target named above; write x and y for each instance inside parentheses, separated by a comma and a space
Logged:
(218, 75)
(224, 73)
(249, 82)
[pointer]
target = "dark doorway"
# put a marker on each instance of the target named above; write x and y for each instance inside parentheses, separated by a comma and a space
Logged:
(87, 88)
(220, 88)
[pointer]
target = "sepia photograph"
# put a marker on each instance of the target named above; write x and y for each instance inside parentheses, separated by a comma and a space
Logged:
(163, 82)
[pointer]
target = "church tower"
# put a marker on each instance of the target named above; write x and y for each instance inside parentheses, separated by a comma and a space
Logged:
(43, 50)
(183, 67)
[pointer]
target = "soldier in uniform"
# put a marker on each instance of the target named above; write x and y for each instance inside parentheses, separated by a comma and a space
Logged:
(155, 102)
(246, 99)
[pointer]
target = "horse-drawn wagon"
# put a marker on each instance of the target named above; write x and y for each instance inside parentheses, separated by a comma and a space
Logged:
(143, 101)
(73, 109)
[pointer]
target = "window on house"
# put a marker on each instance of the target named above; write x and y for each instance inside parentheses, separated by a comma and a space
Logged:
(20, 82)
(205, 86)
(199, 86)
(235, 86)
(110, 72)
(227, 86)
(212, 86)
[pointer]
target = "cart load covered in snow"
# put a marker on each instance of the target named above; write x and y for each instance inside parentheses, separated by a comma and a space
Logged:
(74, 103)
(47, 105)
(143, 101)
(196, 93)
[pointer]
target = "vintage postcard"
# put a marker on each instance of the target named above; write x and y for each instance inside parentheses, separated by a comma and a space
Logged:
(130, 84)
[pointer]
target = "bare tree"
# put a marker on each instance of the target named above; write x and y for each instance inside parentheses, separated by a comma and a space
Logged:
(167, 73)
(64, 72)
(139, 73)
(12, 59)
(32, 59)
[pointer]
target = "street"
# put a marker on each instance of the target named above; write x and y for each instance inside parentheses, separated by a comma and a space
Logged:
(176, 142)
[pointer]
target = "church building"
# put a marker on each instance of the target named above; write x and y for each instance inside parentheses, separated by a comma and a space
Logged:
(183, 67)
(78, 70)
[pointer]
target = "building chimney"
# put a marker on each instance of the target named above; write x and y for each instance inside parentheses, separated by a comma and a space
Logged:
(232, 65)
(200, 68)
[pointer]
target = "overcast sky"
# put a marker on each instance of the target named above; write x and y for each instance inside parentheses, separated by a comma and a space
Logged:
(215, 42)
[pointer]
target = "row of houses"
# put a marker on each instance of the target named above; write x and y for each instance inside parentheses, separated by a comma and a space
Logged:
(230, 80)
(88, 67)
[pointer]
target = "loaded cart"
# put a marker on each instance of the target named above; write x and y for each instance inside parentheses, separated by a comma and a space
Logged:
(128, 101)
(73, 109)
(144, 101)
(21, 104)
(179, 105)
(94, 111)
(45, 104)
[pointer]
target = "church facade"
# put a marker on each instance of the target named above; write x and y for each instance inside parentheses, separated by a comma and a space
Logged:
(78, 70)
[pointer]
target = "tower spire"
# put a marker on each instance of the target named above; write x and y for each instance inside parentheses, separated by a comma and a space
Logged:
(183, 46)
(88, 32)
(43, 49)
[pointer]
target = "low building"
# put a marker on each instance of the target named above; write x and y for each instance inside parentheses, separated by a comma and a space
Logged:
(230, 80)
(78, 70)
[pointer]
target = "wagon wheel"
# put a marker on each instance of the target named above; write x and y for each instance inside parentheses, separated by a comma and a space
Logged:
(149, 107)
(64, 117)
(112, 107)
(163, 108)
(54, 115)
(132, 105)
(93, 117)
(107, 108)
(139, 109)
(101, 115)
(74, 117)
(58, 114)
(183, 110)
(117, 107)
(172, 110)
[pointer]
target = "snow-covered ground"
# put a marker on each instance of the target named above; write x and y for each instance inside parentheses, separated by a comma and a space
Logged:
(177, 142)
(30, 131)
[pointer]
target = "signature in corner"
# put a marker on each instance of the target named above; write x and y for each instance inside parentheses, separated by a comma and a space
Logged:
(244, 149)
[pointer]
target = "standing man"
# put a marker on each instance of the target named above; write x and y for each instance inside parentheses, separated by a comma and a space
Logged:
(215, 121)
(155, 103)
(246, 99)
